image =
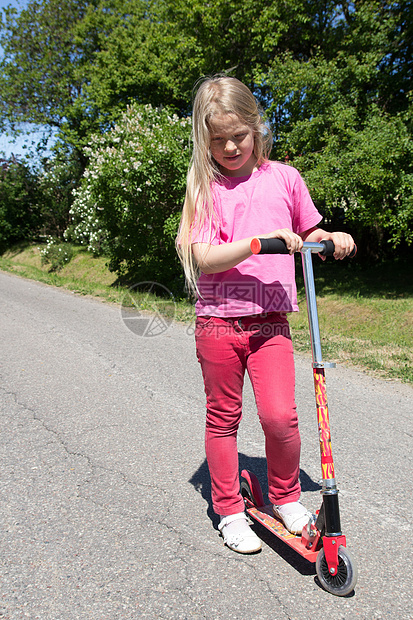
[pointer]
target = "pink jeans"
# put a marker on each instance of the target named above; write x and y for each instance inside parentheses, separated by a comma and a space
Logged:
(262, 346)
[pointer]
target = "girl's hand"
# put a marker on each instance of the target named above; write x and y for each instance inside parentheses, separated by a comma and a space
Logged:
(293, 242)
(343, 244)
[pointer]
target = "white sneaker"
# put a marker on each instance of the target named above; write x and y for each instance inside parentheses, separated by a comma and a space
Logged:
(294, 516)
(238, 535)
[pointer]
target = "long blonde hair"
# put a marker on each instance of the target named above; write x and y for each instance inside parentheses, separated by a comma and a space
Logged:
(218, 95)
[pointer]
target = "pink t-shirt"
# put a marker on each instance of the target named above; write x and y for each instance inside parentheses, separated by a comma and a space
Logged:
(273, 197)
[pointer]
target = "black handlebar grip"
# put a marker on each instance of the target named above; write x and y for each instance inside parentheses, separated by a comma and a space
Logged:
(329, 249)
(353, 252)
(268, 246)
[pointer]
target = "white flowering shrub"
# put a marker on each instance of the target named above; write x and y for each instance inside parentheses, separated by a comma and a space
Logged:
(86, 227)
(132, 193)
(56, 254)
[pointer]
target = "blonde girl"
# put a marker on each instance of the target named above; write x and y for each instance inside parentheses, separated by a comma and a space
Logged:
(234, 193)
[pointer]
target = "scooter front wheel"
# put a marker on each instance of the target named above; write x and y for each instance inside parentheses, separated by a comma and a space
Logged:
(250, 488)
(246, 491)
(344, 581)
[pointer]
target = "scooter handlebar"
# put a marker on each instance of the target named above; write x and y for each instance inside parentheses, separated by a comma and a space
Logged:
(268, 246)
(278, 246)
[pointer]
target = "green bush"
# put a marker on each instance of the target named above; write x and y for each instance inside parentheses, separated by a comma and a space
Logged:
(132, 192)
(56, 254)
(57, 179)
(20, 217)
(356, 157)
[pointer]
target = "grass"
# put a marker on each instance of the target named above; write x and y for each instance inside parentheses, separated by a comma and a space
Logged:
(365, 315)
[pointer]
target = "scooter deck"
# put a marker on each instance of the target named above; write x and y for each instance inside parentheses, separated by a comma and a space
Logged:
(264, 515)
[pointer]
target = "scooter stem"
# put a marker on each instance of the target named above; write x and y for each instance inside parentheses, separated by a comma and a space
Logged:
(306, 253)
(329, 490)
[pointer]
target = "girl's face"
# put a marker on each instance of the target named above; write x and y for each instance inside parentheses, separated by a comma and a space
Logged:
(232, 145)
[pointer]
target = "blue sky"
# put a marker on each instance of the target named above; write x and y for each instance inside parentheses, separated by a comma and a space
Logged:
(7, 145)
(17, 3)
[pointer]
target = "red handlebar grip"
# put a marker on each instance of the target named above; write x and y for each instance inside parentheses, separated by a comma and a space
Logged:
(255, 246)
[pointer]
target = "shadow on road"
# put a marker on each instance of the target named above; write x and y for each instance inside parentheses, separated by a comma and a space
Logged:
(202, 484)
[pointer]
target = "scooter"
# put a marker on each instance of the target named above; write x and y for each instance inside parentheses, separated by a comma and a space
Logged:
(321, 540)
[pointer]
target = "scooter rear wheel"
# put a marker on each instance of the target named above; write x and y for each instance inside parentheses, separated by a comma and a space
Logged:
(345, 580)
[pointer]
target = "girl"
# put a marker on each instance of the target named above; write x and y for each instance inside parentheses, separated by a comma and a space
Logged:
(234, 193)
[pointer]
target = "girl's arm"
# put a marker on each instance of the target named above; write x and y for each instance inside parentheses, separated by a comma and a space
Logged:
(343, 242)
(218, 258)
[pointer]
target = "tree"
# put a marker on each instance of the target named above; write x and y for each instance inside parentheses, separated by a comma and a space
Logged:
(20, 217)
(344, 120)
(59, 176)
(125, 61)
(155, 52)
(41, 77)
(334, 76)
(76, 64)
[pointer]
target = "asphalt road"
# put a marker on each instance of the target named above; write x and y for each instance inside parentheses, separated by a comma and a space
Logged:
(104, 491)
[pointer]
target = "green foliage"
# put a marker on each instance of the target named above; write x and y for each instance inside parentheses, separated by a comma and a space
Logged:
(72, 64)
(334, 76)
(365, 174)
(56, 254)
(129, 58)
(57, 180)
(41, 75)
(20, 216)
(132, 193)
(356, 158)
(154, 52)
